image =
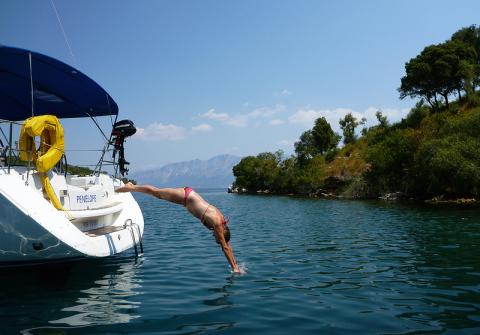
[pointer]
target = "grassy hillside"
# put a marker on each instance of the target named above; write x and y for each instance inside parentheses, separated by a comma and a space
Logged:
(430, 153)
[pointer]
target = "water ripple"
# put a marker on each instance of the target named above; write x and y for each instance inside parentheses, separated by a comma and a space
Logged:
(333, 267)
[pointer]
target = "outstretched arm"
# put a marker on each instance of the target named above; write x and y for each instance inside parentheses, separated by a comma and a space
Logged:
(226, 248)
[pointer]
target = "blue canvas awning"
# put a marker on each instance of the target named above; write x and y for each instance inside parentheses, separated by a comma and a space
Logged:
(58, 89)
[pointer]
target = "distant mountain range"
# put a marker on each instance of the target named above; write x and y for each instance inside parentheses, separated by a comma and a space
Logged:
(213, 173)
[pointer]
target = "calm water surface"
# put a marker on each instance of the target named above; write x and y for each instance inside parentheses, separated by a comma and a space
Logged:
(313, 267)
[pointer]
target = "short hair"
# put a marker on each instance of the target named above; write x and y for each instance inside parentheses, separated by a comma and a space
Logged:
(226, 234)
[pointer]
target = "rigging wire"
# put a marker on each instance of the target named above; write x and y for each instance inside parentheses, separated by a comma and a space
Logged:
(64, 33)
(31, 80)
(4, 136)
(106, 148)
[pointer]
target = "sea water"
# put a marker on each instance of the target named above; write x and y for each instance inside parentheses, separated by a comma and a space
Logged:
(311, 267)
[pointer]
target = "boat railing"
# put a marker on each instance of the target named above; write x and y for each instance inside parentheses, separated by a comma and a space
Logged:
(10, 155)
(10, 158)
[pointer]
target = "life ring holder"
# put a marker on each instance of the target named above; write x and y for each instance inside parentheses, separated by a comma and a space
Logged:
(50, 152)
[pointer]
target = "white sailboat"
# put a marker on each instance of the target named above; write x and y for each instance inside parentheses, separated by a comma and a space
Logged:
(47, 214)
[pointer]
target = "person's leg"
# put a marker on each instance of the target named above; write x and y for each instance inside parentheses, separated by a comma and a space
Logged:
(175, 195)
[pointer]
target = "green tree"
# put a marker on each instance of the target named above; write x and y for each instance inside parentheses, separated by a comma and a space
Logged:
(309, 177)
(418, 81)
(460, 59)
(79, 170)
(382, 120)
(348, 125)
(305, 146)
(271, 172)
(285, 182)
(317, 141)
(439, 71)
(448, 158)
(427, 155)
(471, 36)
(258, 173)
(391, 160)
(449, 166)
(324, 137)
(268, 170)
(246, 175)
(415, 116)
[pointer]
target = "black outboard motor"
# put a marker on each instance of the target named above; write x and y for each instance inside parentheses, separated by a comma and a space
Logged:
(121, 130)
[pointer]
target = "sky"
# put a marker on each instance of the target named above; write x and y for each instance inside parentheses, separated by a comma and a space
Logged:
(204, 78)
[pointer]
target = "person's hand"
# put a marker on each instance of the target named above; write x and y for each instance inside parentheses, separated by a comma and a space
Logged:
(128, 187)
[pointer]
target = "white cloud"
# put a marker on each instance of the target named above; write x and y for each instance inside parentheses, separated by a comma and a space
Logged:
(211, 114)
(277, 122)
(158, 132)
(241, 120)
(283, 92)
(307, 116)
(266, 112)
(392, 114)
(204, 127)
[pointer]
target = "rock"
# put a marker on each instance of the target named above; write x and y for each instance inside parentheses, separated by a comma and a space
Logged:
(395, 196)
(460, 201)
(327, 196)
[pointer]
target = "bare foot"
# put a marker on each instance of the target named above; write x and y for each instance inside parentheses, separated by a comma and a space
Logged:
(128, 187)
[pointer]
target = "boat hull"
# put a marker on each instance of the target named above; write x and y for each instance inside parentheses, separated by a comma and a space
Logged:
(32, 230)
(23, 239)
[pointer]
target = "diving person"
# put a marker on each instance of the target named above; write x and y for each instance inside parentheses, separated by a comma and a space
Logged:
(208, 214)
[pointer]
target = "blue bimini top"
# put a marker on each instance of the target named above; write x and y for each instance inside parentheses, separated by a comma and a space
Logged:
(58, 89)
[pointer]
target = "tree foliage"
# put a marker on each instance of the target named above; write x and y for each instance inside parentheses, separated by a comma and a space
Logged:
(382, 120)
(444, 69)
(317, 141)
(391, 159)
(448, 166)
(427, 155)
(272, 173)
(348, 125)
(79, 170)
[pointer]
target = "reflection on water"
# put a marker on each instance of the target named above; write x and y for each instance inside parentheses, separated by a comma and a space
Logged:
(110, 301)
(65, 296)
(222, 294)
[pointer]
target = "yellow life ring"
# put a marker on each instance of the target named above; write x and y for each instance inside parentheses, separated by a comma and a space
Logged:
(51, 149)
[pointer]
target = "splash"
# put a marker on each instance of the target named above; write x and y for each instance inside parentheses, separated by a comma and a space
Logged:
(243, 269)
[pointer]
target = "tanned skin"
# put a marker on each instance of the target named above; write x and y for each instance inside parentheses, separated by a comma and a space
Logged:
(197, 206)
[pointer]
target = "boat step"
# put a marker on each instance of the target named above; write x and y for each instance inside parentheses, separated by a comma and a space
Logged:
(103, 230)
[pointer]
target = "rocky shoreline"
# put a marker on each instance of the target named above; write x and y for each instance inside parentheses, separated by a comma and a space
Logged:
(389, 197)
(460, 201)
